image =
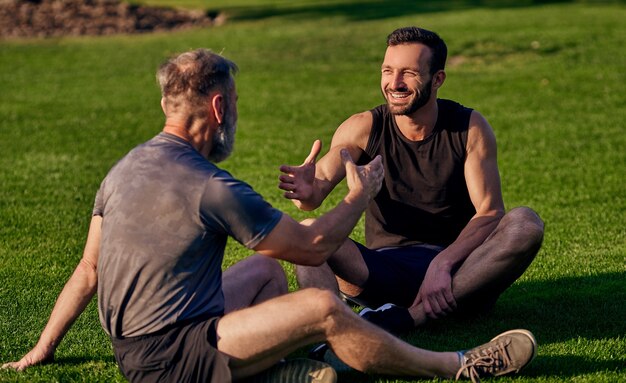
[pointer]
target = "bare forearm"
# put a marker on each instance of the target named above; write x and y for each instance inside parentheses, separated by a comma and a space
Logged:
(312, 242)
(472, 236)
(332, 229)
(75, 296)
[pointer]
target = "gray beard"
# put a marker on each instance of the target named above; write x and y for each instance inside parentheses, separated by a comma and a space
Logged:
(223, 142)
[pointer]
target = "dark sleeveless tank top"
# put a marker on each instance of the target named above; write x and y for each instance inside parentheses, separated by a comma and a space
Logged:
(424, 197)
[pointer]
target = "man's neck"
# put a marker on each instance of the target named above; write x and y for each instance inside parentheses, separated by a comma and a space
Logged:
(421, 123)
(196, 132)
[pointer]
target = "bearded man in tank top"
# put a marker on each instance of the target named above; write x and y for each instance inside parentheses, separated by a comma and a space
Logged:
(438, 239)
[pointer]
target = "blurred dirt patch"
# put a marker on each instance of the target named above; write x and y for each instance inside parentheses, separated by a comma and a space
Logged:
(48, 18)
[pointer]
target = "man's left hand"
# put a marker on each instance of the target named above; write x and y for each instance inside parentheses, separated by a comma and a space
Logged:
(436, 292)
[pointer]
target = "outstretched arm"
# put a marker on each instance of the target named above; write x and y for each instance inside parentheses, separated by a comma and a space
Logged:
(309, 184)
(72, 301)
(483, 183)
(312, 243)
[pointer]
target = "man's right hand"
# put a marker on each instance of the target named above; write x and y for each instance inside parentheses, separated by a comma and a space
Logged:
(34, 357)
(365, 180)
(298, 181)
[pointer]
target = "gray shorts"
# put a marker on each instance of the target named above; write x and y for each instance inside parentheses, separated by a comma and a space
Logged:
(186, 352)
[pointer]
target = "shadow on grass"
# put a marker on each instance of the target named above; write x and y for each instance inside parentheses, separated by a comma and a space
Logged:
(76, 360)
(560, 310)
(591, 307)
(374, 9)
(578, 310)
(566, 310)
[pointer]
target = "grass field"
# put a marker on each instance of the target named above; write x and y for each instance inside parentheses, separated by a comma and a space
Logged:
(548, 76)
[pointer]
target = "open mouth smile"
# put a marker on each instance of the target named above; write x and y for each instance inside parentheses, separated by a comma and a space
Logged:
(400, 96)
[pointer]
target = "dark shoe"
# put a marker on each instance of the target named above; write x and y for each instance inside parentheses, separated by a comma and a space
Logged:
(296, 371)
(389, 317)
(323, 353)
(507, 353)
(318, 352)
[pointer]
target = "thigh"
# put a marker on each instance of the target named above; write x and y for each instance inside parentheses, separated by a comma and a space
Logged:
(257, 337)
(395, 274)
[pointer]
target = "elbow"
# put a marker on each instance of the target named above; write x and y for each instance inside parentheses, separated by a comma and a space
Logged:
(315, 259)
(88, 274)
(499, 213)
(313, 256)
(495, 213)
(315, 250)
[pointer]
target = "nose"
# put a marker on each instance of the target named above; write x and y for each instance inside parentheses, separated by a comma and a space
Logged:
(397, 81)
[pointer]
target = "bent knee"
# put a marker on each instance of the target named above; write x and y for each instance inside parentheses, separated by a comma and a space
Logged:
(266, 264)
(524, 224)
(326, 303)
(270, 268)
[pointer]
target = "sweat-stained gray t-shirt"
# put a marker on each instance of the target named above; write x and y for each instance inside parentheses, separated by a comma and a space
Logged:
(167, 213)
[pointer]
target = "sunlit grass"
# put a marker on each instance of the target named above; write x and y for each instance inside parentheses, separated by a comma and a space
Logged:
(550, 79)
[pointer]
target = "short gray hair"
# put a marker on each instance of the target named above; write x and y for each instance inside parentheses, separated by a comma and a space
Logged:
(191, 76)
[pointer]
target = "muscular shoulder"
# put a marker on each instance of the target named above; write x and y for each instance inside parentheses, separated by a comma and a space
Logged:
(354, 131)
(480, 134)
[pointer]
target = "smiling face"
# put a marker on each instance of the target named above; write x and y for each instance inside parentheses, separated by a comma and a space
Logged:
(405, 80)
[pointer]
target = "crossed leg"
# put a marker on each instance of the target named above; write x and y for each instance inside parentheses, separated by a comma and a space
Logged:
(257, 337)
(486, 273)
(493, 266)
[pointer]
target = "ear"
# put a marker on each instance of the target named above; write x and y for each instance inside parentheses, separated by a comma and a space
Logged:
(163, 106)
(438, 79)
(217, 102)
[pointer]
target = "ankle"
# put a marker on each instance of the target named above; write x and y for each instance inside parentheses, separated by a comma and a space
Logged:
(451, 365)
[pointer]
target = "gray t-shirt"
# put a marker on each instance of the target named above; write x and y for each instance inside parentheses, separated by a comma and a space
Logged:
(167, 213)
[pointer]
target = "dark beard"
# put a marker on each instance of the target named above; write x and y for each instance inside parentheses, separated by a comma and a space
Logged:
(421, 100)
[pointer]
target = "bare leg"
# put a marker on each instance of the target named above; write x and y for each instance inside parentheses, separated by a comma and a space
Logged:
(345, 270)
(252, 281)
(488, 271)
(498, 262)
(257, 337)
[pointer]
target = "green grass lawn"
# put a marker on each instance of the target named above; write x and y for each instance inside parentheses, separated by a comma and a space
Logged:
(549, 78)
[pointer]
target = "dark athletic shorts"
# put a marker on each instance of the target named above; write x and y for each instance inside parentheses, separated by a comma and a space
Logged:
(186, 352)
(395, 274)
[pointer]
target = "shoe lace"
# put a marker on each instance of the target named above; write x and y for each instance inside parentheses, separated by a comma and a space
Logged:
(488, 361)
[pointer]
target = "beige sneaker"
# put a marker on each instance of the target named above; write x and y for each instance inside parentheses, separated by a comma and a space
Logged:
(297, 371)
(507, 353)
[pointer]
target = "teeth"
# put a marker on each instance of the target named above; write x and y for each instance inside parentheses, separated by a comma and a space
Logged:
(399, 95)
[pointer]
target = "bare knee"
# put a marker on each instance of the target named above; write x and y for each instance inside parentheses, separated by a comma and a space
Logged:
(523, 228)
(272, 270)
(325, 304)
